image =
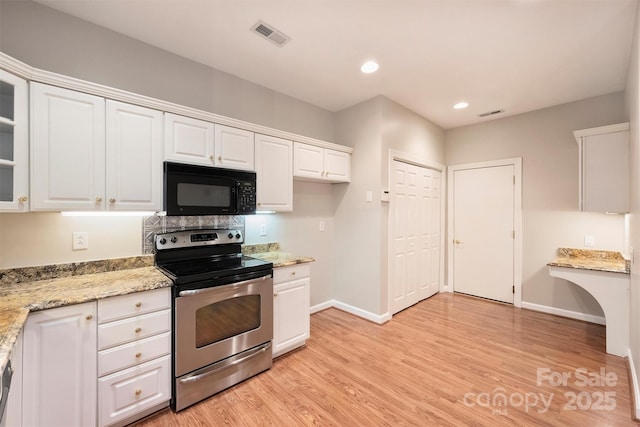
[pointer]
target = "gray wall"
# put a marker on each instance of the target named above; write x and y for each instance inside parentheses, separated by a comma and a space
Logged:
(50, 40)
(632, 101)
(544, 139)
(373, 128)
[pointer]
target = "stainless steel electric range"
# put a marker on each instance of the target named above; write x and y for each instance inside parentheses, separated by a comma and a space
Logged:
(222, 311)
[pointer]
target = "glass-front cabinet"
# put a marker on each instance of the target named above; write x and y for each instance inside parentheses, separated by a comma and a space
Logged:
(14, 153)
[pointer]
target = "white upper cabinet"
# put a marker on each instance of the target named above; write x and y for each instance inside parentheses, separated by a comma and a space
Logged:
(321, 164)
(274, 170)
(188, 140)
(604, 168)
(234, 148)
(134, 157)
(14, 152)
(88, 154)
(67, 149)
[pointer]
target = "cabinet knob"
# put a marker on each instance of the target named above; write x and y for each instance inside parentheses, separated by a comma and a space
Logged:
(138, 304)
(293, 273)
(219, 158)
(211, 157)
(89, 316)
(99, 199)
(275, 294)
(138, 355)
(23, 199)
(112, 200)
(138, 330)
(138, 392)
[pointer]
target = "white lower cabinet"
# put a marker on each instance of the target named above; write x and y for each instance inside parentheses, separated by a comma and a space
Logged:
(134, 356)
(13, 412)
(290, 307)
(59, 367)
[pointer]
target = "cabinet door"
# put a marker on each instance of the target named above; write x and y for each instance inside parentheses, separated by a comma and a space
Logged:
(291, 315)
(234, 148)
(134, 158)
(308, 161)
(605, 172)
(188, 140)
(14, 404)
(274, 171)
(60, 367)
(14, 152)
(67, 149)
(337, 166)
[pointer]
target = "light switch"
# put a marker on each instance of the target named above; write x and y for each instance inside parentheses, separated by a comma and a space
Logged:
(369, 196)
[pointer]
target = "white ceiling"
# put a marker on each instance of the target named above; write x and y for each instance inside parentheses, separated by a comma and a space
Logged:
(516, 55)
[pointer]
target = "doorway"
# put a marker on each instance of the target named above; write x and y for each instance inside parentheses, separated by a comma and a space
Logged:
(485, 230)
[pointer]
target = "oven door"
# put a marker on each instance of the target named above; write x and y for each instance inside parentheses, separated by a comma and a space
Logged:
(215, 323)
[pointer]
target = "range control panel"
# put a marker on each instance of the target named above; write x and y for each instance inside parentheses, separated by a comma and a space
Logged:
(194, 238)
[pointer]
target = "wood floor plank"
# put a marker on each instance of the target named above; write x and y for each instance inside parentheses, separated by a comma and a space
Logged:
(446, 361)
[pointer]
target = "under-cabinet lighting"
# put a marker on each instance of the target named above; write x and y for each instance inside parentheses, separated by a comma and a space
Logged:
(265, 212)
(109, 213)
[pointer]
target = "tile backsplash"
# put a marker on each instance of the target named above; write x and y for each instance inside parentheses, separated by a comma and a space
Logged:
(153, 225)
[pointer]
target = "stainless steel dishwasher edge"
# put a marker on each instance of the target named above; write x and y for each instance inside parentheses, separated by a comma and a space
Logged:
(4, 397)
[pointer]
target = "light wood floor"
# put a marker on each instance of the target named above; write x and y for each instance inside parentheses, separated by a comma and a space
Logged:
(444, 361)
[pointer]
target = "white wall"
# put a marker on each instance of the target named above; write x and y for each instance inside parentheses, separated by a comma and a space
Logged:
(373, 128)
(545, 141)
(632, 103)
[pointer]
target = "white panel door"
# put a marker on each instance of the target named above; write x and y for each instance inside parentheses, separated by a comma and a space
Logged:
(134, 157)
(274, 173)
(67, 149)
(337, 166)
(483, 216)
(415, 264)
(234, 148)
(60, 367)
(188, 140)
(308, 161)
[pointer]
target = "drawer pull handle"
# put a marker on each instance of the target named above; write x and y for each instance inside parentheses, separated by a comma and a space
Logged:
(89, 316)
(138, 330)
(138, 304)
(138, 392)
(138, 355)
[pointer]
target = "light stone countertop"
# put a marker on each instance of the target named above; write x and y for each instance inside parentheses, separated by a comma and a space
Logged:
(271, 252)
(19, 298)
(586, 259)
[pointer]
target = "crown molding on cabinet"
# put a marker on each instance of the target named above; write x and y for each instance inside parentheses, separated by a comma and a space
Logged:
(27, 72)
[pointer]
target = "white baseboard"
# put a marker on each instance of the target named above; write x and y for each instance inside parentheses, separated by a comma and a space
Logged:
(635, 391)
(375, 318)
(600, 320)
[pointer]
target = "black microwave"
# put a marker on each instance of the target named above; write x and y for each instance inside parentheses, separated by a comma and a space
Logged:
(204, 190)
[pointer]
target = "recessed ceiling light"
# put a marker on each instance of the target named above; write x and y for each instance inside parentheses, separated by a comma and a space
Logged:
(369, 67)
(461, 105)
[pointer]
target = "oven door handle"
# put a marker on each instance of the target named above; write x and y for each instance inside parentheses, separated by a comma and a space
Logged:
(216, 288)
(257, 351)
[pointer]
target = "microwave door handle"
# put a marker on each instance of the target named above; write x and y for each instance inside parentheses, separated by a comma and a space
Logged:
(216, 289)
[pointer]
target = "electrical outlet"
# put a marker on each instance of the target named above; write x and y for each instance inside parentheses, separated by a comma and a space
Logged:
(80, 240)
(321, 226)
(263, 229)
(589, 241)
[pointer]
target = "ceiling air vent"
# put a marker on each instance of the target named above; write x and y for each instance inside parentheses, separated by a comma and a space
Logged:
(490, 113)
(267, 31)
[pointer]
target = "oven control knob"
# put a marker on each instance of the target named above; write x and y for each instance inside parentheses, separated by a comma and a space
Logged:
(174, 239)
(163, 241)
(230, 235)
(238, 235)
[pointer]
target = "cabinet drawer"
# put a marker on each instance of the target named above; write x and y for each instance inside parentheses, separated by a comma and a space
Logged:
(134, 328)
(134, 353)
(285, 274)
(132, 391)
(133, 304)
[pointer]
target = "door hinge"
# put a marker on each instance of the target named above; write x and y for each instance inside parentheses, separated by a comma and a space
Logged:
(514, 180)
(513, 234)
(513, 289)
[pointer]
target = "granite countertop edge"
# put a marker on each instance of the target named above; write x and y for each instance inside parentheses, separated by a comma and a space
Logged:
(592, 260)
(17, 300)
